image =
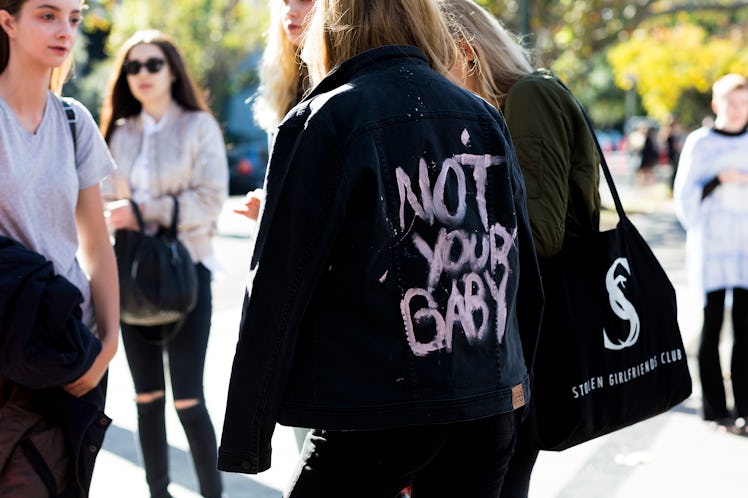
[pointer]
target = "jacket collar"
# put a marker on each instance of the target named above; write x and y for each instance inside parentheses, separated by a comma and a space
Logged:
(343, 73)
(149, 123)
(136, 121)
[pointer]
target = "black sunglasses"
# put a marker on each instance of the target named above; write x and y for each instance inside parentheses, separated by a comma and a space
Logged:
(152, 65)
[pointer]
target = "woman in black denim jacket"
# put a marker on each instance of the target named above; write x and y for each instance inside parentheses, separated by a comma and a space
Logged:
(382, 307)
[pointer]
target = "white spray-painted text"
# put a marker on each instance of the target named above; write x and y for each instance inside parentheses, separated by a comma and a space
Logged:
(469, 256)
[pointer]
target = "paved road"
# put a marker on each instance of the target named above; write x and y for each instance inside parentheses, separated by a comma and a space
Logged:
(672, 455)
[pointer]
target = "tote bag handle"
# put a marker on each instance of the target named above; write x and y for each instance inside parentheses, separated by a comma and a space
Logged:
(603, 162)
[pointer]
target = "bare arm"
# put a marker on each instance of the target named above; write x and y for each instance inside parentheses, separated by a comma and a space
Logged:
(98, 261)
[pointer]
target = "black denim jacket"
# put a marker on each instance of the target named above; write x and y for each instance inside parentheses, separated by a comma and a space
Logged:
(384, 279)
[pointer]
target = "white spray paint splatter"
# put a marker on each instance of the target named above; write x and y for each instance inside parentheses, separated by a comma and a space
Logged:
(465, 137)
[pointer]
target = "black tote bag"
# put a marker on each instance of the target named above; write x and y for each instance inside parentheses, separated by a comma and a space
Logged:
(157, 278)
(610, 352)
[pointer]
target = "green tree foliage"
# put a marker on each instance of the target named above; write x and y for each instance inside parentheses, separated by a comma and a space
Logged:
(571, 36)
(215, 36)
(579, 27)
(664, 63)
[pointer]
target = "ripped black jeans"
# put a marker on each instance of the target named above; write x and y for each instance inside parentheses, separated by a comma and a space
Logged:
(186, 363)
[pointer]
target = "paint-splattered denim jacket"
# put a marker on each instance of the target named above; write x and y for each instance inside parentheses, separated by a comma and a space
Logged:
(385, 278)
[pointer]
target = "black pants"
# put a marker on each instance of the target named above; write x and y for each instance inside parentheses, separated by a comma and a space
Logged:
(466, 459)
(710, 368)
(517, 478)
(186, 362)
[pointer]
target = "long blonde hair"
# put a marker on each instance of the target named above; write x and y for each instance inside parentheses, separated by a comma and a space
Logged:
(283, 77)
(498, 57)
(341, 29)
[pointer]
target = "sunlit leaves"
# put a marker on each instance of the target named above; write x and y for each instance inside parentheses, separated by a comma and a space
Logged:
(664, 62)
(215, 36)
(569, 36)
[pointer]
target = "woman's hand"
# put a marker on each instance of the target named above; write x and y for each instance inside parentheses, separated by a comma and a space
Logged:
(93, 375)
(119, 215)
(733, 176)
(252, 202)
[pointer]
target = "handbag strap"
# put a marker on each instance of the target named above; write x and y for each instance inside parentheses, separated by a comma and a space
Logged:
(174, 217)
(138, 216)
(603, 162)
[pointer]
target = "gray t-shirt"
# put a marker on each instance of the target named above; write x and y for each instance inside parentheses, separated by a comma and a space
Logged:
(39, 184)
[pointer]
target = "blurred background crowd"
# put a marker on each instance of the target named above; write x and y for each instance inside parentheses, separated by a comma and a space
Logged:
(635, 66)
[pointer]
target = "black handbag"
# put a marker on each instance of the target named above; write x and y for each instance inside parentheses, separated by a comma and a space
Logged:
(610, 352)
(157, 278)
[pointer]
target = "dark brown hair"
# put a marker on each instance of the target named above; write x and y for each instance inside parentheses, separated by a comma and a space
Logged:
(59, 74)
(120, 103)
(13, 8)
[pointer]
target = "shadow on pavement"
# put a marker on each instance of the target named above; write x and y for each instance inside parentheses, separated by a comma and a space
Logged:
(122, 442)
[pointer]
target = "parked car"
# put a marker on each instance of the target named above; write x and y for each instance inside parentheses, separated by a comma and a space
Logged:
(247, 164)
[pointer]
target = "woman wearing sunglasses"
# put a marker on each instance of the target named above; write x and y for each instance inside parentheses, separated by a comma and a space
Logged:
(167, 144)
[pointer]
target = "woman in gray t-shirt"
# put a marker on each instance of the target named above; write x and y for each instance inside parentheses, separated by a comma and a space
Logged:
(51, 204)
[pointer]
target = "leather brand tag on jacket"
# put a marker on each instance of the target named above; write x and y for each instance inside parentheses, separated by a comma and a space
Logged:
(518, 396)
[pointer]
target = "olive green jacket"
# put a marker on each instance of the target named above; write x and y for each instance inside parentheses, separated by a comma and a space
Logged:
(558, 159)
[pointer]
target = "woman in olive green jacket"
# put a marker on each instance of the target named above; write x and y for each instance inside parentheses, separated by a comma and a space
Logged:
(554, 146)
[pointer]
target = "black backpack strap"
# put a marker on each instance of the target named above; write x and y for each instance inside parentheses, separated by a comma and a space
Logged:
(72, 121)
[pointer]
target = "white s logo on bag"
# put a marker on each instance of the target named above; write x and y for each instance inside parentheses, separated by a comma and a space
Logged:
(621, 306)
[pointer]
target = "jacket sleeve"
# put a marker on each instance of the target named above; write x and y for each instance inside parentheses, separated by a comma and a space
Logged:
(304, 207)
(689, 185)
(201, 202)
(43, 342)
(542, 147)
(115, 185)
(530, 298)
